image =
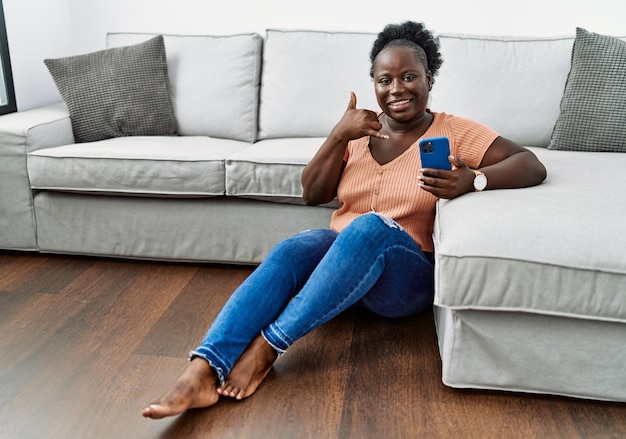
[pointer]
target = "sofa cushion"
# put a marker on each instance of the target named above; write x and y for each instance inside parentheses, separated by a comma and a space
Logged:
(271, 169)
(513, 85)
(558, 248)
(116, 92)
(489, 79)
(593, 108)
(214, 82)
(302, 96)
(172, 166)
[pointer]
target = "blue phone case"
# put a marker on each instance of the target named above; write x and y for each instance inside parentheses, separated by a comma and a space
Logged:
(434, 153)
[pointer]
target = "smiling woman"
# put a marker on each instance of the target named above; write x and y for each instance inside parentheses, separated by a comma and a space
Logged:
(7, 92)
(377, 253)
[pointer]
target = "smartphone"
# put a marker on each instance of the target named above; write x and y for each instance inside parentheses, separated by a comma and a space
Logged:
(434, 153)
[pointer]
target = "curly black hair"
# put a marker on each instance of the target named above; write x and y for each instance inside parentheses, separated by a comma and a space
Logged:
(413, 35)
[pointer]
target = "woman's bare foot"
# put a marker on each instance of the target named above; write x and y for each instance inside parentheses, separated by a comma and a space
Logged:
(195, 388)
(250, 370)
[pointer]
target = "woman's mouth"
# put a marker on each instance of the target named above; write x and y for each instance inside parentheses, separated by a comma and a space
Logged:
(398, 105)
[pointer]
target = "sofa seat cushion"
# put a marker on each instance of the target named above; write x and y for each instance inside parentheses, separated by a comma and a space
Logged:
(558, 248)
(271, 169)
(171, 166)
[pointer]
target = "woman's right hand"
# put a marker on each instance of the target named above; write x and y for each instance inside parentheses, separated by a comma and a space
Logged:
(320, 177)
(356, 123)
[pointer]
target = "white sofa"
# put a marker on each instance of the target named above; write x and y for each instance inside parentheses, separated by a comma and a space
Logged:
(530, 283)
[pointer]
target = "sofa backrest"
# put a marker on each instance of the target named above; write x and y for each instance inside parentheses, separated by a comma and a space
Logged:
(214, 82)
(296, 83)
(307, 78)
(513, 85)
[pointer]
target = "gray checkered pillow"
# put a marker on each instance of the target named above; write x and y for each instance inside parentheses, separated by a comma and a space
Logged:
(116, 92)
(593, 107)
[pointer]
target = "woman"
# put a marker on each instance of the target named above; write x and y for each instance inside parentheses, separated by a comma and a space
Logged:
(378, 252)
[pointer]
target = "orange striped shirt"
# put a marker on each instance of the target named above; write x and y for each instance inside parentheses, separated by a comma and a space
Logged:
(392, 189)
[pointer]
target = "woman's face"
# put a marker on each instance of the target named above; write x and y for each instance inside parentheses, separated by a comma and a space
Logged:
(401, 83)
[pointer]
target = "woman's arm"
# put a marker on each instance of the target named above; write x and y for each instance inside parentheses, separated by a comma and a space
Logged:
(506, 165)
(320, 177)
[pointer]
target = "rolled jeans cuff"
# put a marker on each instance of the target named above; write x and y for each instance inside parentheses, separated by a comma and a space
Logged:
(276, 339)
(205, 353)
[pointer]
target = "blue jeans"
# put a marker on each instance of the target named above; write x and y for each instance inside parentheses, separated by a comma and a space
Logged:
(308, 279)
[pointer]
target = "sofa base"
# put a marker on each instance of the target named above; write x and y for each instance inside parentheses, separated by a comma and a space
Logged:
(524, 352)
(219, 229)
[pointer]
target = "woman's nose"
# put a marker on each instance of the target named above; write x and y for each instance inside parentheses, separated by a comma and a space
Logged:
(397, 86)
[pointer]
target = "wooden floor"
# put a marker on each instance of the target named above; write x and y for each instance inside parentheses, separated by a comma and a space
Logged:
(85, 343)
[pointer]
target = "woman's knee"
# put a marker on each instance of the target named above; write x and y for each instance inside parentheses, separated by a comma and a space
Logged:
(372, 221)
(373, 229)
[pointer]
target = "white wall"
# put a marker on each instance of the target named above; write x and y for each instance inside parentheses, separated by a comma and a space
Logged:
(36, 29)
(41, 29)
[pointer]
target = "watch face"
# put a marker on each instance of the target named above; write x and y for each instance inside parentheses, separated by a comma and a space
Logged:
(480, 182)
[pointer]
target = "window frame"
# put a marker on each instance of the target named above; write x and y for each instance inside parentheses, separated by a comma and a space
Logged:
(7, 90)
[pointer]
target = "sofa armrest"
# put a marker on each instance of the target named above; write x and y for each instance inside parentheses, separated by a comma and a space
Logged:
(43, 127)
(21, 133)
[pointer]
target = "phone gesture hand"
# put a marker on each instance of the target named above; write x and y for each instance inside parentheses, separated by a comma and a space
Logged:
(357, 123)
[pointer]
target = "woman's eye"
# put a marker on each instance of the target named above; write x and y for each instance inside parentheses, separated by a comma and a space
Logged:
(409, 77)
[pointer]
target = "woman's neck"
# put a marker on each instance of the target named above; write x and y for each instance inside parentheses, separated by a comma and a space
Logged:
(418, 125)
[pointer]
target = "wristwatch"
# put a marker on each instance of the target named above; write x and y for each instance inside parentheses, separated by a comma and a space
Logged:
(480, 180)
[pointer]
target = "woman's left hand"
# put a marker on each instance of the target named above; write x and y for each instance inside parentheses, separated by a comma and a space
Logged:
(448, 184)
